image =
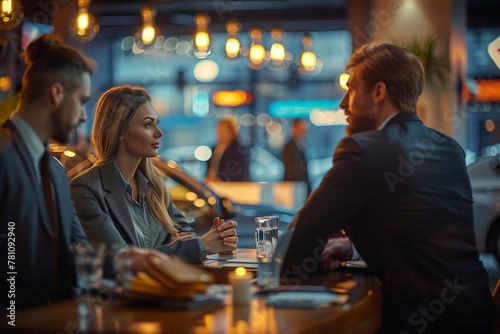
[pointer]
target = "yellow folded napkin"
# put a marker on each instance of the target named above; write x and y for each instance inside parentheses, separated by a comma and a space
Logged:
(173, 278)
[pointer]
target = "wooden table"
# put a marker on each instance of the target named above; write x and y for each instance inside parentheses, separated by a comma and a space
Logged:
(362, 314)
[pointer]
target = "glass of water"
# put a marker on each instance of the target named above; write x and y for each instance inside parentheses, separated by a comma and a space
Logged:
(266, 235)
(89, 267)
(266, 239)
(122, 266)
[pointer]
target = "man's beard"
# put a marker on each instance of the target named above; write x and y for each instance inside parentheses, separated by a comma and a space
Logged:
(360, 124)
(63, 135)
(63, 131)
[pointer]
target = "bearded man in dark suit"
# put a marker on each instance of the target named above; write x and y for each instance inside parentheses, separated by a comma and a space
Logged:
(401, 192)
(55, 86)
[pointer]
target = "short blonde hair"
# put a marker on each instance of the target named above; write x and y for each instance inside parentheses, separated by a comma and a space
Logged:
(396, 67)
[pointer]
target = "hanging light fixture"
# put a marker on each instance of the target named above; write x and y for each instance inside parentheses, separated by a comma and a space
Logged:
(84, 27)
(149, 32)
(257, 51)
(202, 37)
(232, 43)
(308, 58)
(277, 52)
(11, 14)
(148, 39)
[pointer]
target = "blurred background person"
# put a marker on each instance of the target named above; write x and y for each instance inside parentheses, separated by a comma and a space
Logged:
(229, 160)
(294, 157)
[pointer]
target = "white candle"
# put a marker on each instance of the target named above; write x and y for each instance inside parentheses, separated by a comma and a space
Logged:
(240, 281)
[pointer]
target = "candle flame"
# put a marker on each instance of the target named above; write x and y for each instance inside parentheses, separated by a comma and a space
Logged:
(240, 271)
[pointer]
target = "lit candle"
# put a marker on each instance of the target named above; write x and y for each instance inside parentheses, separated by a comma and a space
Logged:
(240, 281)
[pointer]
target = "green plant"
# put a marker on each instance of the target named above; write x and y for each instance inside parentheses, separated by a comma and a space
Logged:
(7, 106)
(436, 68)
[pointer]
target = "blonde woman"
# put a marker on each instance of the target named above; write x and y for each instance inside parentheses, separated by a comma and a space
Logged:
(229, 161)
(123, 200)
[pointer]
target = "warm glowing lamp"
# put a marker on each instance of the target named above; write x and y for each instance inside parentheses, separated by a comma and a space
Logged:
(84, 27)
(11, 14)
(343, 80)
(232, 43)
(82, 21)
(231, 98)
(257, 53)
(202, 40)
(202, 37)
(148, 33)
(308, 60)
(232, 47)
(277, 52)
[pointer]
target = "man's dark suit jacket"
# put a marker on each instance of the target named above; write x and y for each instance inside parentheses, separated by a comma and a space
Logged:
(295, 163)
(233, 164)
(404, 197)
(25, 213)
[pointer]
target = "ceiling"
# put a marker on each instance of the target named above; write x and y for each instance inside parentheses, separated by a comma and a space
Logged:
(121, 17)
(483, 13)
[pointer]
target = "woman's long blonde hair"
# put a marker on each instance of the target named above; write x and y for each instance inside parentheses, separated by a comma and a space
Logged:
(114, 111)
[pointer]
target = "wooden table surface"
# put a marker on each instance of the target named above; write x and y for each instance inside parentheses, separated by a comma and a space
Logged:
(362, 314)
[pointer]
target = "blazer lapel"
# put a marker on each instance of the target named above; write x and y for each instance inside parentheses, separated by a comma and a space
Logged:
(30, 169)
(116, 201)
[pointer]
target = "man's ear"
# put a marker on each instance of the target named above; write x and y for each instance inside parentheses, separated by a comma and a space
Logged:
(379, 91)
(56, 93)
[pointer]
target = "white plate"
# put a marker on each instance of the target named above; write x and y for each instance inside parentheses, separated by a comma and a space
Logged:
(243, 260)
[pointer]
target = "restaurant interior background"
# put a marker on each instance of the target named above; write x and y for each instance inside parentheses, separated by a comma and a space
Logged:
(193, 84)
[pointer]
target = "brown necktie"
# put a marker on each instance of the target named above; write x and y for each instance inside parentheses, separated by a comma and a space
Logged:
(48, 191)
(50, 201)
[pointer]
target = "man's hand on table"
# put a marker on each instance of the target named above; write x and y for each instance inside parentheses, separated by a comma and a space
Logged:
(336, 251)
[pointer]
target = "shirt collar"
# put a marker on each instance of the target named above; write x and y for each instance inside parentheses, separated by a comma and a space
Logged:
(384, 123)
(33, 143)
(142, 182)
